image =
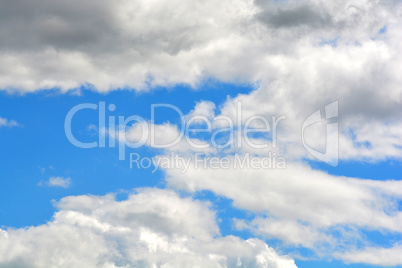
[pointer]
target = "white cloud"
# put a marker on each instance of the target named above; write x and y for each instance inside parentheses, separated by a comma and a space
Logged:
(148, 43)
(375, 256)
(369, 107)
(156, 43)
(164, 136)
(151, 228)
(58, 182)
(291, 232)
(299, 205)
(204, 109)
(4, 122)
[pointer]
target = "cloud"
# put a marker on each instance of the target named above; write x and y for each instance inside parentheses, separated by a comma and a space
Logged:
(151, 228)
(301, 206)
(375, 256)
(163, 136)
(66, 44)
(4, 122)
(295, 16)
(147, 43)
(361, 137)
(58, 182)
(203, 108)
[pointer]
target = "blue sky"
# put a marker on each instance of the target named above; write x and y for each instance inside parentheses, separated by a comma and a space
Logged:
(46, 152)
(287, 152)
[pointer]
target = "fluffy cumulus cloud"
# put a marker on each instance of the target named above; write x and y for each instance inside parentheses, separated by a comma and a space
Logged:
(152, 228)
(147, 43)
(121, 44)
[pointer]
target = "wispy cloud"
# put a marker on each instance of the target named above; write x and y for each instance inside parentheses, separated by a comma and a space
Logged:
(4, 122)
(57, 182)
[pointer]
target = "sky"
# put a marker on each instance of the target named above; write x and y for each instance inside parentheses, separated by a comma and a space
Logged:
(200, 133)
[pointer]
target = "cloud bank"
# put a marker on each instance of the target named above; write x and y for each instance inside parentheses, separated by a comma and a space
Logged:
(151, 228)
